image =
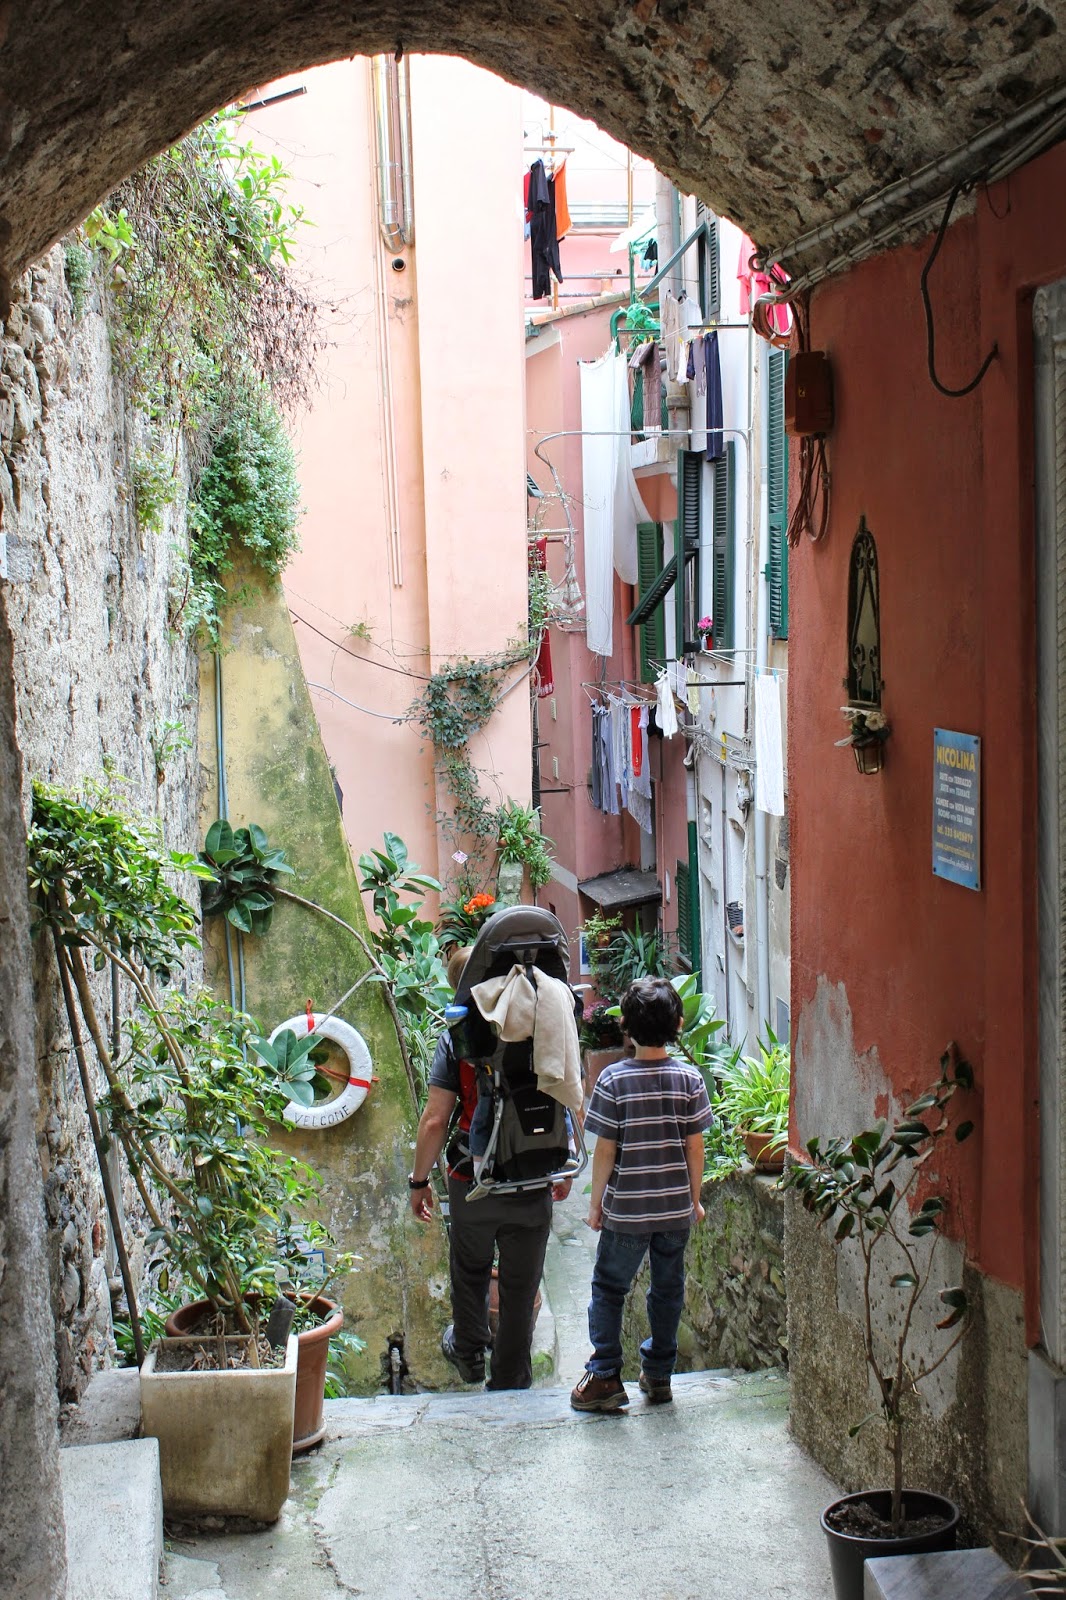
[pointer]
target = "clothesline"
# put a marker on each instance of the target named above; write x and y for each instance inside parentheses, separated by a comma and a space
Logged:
(645, 692)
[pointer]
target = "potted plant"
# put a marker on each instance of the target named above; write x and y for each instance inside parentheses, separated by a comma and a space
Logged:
(705, 629)
(601, 1040)
(520, 840)
(188, 1100)
(302, 1277)
(754, 1098)
(865, 1187)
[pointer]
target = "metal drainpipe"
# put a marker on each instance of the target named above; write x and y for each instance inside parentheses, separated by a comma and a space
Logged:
(667, 230)
(762, 621)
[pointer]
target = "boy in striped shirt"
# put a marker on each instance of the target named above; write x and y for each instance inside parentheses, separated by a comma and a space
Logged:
(648, 1114)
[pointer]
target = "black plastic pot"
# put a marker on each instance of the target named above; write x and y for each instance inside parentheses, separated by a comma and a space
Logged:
(847, 1552)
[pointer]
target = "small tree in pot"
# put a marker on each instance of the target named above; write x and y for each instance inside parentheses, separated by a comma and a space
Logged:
(866, 1186)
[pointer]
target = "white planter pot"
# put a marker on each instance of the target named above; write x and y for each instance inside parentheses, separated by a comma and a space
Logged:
(225, 1438)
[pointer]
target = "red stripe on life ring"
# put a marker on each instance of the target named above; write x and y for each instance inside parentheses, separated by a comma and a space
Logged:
(359, 1083)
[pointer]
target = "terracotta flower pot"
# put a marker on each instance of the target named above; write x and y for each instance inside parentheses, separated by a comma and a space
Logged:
(312, 1356)
(759, 1154)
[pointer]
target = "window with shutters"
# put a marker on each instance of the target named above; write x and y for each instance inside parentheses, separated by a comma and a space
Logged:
(653, 584)
(777, 494)
(709, 264)
(687, 540)
(687, 899)
(723, 548)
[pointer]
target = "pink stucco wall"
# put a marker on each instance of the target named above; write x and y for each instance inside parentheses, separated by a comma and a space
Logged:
(453, 580)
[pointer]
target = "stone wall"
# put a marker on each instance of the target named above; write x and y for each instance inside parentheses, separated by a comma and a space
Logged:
(735, 1293)
(98, 675)
(735, 1286)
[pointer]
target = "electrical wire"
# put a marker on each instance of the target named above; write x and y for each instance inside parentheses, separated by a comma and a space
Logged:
(930, 332)
(810, 514)
(404, 672)
(385, 716)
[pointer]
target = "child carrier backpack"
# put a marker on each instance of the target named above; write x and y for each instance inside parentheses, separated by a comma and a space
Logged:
(521, 1137)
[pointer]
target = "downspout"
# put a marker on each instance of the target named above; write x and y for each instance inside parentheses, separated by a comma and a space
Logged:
(762, 623)
(390, 85)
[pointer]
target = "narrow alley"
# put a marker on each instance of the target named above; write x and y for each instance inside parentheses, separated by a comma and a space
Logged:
(532, 606)
(516, 1497)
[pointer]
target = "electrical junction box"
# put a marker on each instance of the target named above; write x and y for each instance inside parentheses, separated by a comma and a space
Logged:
(808, 393)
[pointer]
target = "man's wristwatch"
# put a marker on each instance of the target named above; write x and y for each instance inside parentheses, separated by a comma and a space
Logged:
(417, 1183)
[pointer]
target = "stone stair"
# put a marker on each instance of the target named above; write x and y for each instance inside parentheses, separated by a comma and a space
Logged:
(113, 1509)
(954, 1575)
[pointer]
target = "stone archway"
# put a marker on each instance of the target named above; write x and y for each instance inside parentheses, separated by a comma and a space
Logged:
(782, 124)
(780, 121)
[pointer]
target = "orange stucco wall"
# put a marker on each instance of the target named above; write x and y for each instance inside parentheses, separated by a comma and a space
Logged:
(945, 486)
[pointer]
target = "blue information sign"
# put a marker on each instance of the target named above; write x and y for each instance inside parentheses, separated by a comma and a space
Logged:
(957, 807)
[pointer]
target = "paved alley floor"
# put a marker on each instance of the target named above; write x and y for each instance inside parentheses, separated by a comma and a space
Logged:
(516, 1497)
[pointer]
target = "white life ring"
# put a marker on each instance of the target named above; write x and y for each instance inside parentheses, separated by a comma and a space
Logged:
(360, 1069)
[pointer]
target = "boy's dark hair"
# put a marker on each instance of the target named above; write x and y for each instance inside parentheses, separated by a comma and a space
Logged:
(652, 1012)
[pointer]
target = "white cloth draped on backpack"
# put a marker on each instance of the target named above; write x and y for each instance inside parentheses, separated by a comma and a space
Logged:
(544, 1014)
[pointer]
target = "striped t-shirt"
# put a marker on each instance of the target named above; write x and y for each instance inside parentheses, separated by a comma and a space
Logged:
(648, 1108)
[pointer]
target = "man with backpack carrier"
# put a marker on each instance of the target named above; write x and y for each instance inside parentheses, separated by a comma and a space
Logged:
(505, 1099)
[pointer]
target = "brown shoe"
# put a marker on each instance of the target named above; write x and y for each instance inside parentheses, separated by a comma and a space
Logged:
(594, 1393)
(658, 1390)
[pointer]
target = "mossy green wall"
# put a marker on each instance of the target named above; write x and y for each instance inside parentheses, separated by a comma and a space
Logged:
(277, 775)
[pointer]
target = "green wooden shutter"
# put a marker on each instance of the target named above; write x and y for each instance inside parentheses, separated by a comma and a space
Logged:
(709, 265)
(636, 405)
(777, 495)
(695, 939)
(724, 547)
(684, 909)
(653, 629)
(687, 540)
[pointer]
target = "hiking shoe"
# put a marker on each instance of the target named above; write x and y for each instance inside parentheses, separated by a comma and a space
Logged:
(595, 1393)
(470, 1369)
(657, 1390)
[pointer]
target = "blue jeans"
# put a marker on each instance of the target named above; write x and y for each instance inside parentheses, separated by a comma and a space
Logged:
(618, 1259)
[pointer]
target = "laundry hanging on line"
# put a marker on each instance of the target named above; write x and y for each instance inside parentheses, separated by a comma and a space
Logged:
(543, 192)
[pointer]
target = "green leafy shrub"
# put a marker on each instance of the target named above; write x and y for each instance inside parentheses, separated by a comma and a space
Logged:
(247, 500)
(155, 487)
(406, 949)
(188, 1096)
(863, 1186)
(519, 839)
(78, 270)
(243, 866)
(755, 1091)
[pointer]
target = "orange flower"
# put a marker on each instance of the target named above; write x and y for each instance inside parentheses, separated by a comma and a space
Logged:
(479, 902)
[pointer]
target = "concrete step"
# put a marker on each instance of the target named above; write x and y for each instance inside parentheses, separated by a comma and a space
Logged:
(537, 1407)
(951, 1575)
(113, 1507)
(513, 1496)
